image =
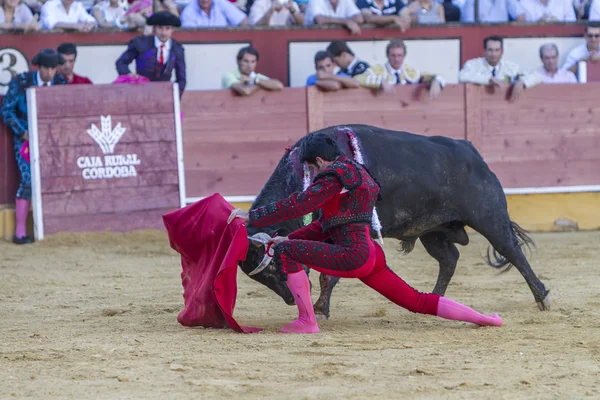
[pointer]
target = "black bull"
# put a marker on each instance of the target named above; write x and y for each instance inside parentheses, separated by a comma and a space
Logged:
(432, 187)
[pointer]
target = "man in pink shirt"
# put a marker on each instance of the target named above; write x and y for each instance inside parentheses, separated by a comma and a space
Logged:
(550, 71)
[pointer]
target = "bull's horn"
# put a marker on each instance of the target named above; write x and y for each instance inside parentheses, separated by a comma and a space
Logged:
(263, 264)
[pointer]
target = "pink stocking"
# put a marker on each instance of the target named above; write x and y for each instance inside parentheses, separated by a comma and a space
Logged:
(300, 288)
(21, 212)
(450, 309)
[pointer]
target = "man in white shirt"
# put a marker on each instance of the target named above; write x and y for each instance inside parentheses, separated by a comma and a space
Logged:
(275, 13)
(492, 70)
(550, 71)
(589, 51)
(549, 10)
(68, 15)
(492, 11)
(336, 12)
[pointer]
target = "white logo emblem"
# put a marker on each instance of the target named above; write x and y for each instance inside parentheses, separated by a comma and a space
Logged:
(108, 166)
(108, 137)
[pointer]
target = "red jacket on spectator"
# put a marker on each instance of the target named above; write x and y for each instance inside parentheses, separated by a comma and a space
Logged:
(79, 80)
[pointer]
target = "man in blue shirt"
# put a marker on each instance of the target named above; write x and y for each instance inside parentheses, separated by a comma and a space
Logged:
(325, 78)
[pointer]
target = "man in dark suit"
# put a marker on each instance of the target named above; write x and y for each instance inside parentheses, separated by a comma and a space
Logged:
(14, 115)
(156, 56)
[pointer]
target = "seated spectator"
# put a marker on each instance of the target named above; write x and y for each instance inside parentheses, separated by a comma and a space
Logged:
(213, 14)
(68, 15)
(582, 9)
(424, 12)
(493, 11)
(550, 71)
(69, 53)
(110, 14)
(451, 9)
(344, 58)
(548, 10)
(383, 12)
(395, 72)
(336, 12)
(35, 5)
(275, 13)
(14, 14)
(492, 70)
(244, 80)
(325, 78)
(589, 51)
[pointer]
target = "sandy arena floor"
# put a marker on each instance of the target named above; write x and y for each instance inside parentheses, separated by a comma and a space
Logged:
(94, 316)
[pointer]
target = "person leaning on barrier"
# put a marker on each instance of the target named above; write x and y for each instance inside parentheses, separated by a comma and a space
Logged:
(395, 72)
(325, 79)
(244, 80)
(156, 56)
(14, 115)
(492, 70)
(549, 71)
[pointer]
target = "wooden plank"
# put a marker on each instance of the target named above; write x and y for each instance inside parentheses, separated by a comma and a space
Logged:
(72, 131)
(541, 148)
(65, 184)
(112, 222)
(152, 156)
(547, 173)
(83, 101)
(314, 100)
(231, 182)
(473, 114)
(117, 200)
(232, 144)
(409, 109)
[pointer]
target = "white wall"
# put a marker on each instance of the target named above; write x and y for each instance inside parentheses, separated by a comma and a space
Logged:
(440, 56)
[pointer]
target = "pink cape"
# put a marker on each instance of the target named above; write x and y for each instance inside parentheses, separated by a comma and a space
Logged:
(24, 150)
(210, 250)
(131, 79)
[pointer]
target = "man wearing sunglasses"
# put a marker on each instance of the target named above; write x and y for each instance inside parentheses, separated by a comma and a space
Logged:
(589, 51)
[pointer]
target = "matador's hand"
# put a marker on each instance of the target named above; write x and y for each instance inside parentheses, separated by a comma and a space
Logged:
(238, 213)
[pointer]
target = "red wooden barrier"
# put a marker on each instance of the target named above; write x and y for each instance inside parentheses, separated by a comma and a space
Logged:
(108, 163)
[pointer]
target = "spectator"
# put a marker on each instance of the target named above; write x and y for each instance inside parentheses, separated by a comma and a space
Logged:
(275, 13)
(14, 115)
(492, 70)
(550, 71)
(69, 53)
(383, 12)
(14, 14)
(589, 51)
(35, 5)
(110, 14)
(548, 10)
(213, 14)
(68, 15)
(336, 12)
(345, 59)
(582, 9)
(493, 11)
(244, 80)
(424, 12)
(158, 55)
(325, 78)
(395, 72)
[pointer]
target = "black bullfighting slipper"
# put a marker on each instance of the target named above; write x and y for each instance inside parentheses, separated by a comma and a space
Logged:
(22, 240)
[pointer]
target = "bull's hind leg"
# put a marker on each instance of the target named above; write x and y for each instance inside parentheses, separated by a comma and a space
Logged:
(327, 284)
(439, 247)
(506, 238)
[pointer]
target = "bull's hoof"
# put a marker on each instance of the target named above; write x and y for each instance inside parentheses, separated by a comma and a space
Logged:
(545, 304)
(321, 317)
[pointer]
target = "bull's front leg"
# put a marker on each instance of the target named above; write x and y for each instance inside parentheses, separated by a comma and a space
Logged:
(322, 305)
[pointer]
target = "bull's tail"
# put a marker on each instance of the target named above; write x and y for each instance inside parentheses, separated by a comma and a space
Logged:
(520, 237)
